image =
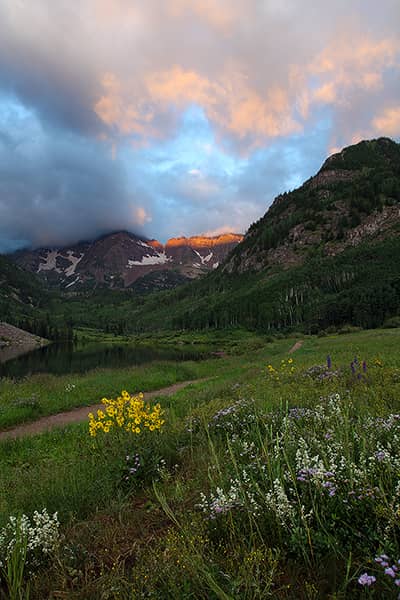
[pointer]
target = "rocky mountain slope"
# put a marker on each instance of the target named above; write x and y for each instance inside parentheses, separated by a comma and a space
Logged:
(354, 198)
(120, 259)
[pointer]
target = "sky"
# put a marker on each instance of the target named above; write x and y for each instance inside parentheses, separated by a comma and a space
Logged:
(181, 117)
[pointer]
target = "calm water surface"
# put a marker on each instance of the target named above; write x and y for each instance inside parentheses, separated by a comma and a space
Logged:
(68, 358)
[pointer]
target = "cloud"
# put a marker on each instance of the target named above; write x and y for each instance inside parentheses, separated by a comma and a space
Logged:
(58, 189)
(142, 216)
(219, 14)
(243, 114)
(183, 116)
(388, 123)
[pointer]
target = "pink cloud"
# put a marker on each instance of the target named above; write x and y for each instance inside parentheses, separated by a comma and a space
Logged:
(388, 122)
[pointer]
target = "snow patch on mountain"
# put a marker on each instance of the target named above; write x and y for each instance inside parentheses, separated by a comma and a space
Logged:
(73, 282)
(74, 262)
(204, 259)
(157, 259)
(50, 262)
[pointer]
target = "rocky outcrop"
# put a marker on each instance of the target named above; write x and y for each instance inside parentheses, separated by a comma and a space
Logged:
(15, 341)
(326, 178)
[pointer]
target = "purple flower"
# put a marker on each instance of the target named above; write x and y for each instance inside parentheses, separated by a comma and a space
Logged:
(353, 368)
(397, 582)
(380, 455)
(389, 571)
(328, 361)
(364, 366)
(366, 579)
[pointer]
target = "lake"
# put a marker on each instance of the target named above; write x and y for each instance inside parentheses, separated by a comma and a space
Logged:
(79, 358)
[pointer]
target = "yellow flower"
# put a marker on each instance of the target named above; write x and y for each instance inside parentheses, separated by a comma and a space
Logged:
(127, 412)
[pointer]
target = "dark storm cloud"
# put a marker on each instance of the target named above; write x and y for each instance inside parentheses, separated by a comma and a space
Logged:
(57, 189)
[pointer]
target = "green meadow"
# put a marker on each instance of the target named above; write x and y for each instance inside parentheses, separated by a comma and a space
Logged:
(275, 475)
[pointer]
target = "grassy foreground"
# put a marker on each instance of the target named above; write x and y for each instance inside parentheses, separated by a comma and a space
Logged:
(271, 479)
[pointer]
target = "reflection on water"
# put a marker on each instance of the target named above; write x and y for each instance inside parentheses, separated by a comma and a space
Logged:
(70, 358)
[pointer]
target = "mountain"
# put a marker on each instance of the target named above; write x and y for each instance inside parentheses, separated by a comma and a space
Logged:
(353, 198)
(121, 260)
(324, 255)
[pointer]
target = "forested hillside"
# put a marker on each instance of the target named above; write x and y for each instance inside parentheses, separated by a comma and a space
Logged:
(361, 287)
(354, 197)
(21, 294)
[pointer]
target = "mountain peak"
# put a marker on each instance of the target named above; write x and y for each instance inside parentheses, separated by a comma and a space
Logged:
(203, 241)
(367, 153)
(354, 197)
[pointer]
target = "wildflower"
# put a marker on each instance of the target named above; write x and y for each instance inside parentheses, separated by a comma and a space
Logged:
(328, 361)
(126, 412)
(381, 558)
(389, 571)
(41, 534)
(366, 579)
(380, 455)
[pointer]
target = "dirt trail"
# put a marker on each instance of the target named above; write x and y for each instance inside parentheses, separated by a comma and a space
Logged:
(79, 414)
(296, 346)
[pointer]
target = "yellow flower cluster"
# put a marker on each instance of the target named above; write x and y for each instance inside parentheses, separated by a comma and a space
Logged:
(286, 368)
(126, 412)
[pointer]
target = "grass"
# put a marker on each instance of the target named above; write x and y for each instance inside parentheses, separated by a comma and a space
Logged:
(27, 399)
(43, 394)
(264, 482)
